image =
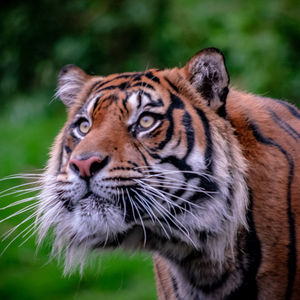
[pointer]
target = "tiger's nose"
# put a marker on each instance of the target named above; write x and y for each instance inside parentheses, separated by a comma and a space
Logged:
(89, 166)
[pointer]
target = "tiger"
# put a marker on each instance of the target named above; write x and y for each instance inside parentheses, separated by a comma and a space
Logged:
(177, 163)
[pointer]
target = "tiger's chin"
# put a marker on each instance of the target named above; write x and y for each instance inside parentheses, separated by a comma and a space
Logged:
(91, 223)
(78, 247)
(132, 239)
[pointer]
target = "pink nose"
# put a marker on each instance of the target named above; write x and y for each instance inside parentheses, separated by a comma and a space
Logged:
(86, 167)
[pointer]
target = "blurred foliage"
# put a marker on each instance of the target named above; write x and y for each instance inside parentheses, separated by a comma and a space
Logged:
(260, 40)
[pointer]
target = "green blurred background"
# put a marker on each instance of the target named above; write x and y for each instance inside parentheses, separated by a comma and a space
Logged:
(261, 41)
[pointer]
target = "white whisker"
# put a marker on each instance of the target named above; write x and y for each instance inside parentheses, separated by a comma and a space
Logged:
(124, 203)
(163, 193)
(145, 206)
(21, 192)
(34, 232)
(132, 208)
(142, 223)
(9, 232)
(16, 187)
(177, 223)
(19, 202)
(174, 220)
(163, 228)
(29, 207)
(172, 184)
(22, 176)
(163, 174)
(13, 241)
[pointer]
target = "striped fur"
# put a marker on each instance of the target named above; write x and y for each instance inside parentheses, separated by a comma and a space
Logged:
(210, 188)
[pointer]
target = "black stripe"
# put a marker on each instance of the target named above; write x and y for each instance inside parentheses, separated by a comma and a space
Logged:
(179, 164)
(124, 169)
(139, 99)
(153, 103)
(174, 87)
(292, 255)
(189, 131)
(97, 85)
(249, 257)
(143, 85)
(124, 102)
(176, 103)
(284, 125)
(120, 178)
(142, 154)
(207, 185)
(152, 77)
(68, 149)
(137, 77)
(210, 288)
(96, 103)
(179, 140)
(156, 132)
(110, 87)
(109, 98)
(122, 86)
(93, 86)
(133, 163)
(175, 288)
(292, 109)
(209, 144)
(130, 75)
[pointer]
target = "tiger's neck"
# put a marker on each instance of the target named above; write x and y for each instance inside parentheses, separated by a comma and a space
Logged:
(196, 276)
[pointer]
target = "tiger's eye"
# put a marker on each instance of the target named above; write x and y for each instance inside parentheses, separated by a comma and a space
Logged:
(146, 121)
(84, 127)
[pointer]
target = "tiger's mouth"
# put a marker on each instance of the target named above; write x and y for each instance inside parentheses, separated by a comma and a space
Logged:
(92, 196)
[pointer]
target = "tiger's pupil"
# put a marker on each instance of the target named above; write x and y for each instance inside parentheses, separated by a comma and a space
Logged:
(84, 127)
(146, 121)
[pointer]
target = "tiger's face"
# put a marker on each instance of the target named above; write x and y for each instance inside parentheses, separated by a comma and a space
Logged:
(134, 164)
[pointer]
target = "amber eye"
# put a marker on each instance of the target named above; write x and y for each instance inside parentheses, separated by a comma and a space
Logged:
(146, 121)
(84, 127)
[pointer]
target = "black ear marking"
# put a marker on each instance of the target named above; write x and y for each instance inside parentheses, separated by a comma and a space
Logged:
(70, 82)
(208, 74)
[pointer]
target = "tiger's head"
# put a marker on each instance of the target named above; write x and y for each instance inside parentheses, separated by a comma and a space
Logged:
(145, 160)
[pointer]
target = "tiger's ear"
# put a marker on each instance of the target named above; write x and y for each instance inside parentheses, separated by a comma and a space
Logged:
(207, 72)
(70, 82)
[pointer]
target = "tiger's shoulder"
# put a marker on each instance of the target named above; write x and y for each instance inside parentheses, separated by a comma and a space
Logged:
(268, 131)
(263, 121)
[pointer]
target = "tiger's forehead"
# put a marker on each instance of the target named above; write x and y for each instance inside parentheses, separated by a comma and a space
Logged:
(123, 81)
(129, 103)
(129, 92)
